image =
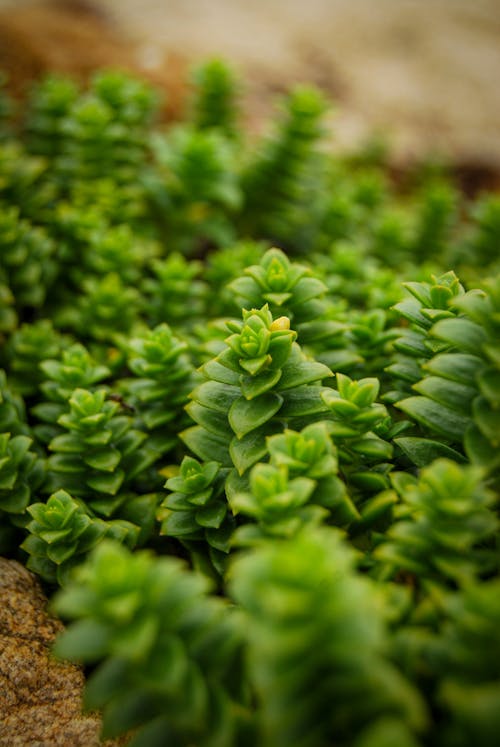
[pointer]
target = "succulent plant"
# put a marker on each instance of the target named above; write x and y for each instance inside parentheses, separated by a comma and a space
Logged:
(135, 616)
(316, 644)
(447, 526)
(331, 466)
(21, 475)
(62, 532)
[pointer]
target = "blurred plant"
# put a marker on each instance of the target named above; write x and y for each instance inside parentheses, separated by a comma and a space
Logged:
(174, 293)
(273, 182)
(24, 185)
(167, 654)
(468, 651)
(316, 645)
(51, 101)
(435, 219)
(25, 351)
(106, 310)
(6, 110)
(73, 369)
(28, 268)
(194, 190)
(12, 409)
(214, 102)
(445, 529)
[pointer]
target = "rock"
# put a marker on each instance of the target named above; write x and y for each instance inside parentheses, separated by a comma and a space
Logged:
(40, 698)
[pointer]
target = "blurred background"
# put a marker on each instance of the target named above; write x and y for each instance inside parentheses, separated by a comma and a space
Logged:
(422, 73)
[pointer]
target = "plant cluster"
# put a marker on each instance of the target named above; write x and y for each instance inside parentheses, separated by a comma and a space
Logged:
(249, 421)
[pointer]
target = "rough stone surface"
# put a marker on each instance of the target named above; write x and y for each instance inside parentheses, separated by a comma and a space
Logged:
(40, 698)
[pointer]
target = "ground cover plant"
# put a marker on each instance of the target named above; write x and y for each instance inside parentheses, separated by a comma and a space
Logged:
(249, 421)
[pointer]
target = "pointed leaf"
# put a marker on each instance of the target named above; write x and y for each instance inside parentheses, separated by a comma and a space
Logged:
(245, 416)
(438, 418)
(207, 446)
(423, 451)
(253, 386)
(247, 451)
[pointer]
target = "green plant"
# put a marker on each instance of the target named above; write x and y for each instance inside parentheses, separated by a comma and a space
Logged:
(28, 346)
(28, 268)
(274, 182)
(61, 533)
(214, 103)
(300, 484)
(74, 369)
(162, 374)
(162, 645)
(446, 528)
(98, 454)
(323, 677)
(330, 469)
(260, 374)
(21, 475)
(196, 191)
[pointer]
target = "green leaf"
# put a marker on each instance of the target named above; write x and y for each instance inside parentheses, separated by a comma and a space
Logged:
(109, 484)
(179, 524)
(479, 449)
(308, 288)
(105, 683)
(487, 420)
(213, 420)
(298, 371)
(489, 384)
(411, 311)
(452, 394)
(106, 460)
(215, 371)
(377, 507)
(437, 417)
(247, 451)
(253, 386)
(207, 446)
(461, 367)
(65, 463)
(212, 516)
(255, 365)
(68, 443)
(302, 401)
(15, 501)
(133, 708)
(372, 447)
(247, 415)
(407, 370)
(423, 451)
(215, 396)
(462, 333)
(366, 392)
(86, 640)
